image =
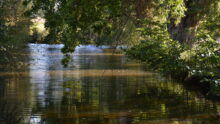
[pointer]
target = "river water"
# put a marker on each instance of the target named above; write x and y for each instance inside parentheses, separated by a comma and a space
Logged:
(97, 87)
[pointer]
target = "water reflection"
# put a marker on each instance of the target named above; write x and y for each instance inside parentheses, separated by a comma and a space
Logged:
(99, 88)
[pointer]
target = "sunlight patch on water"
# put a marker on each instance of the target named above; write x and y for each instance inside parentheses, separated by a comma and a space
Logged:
(81, 73)
(35, 119)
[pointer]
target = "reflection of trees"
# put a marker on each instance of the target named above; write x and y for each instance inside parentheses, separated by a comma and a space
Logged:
(45, 58)
(72, 92)
(14, 100)
(10, 112)
(95, 100)
(99, 61)
(112, 99)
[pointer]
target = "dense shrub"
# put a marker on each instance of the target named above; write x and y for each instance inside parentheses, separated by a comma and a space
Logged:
(182, 62)
(159, 52)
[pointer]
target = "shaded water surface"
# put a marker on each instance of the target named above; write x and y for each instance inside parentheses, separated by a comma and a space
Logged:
(98, 87)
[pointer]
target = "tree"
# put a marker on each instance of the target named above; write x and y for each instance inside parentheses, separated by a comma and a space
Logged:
(196, 12)
(14, 28)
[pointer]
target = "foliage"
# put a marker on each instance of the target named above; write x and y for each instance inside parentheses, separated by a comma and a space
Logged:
(76, 22)
(204, 59)
(158, 51)
(14, 28)
(37, 30)
(197, 33)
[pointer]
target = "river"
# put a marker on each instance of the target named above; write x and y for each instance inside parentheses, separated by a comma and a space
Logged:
(97, 87)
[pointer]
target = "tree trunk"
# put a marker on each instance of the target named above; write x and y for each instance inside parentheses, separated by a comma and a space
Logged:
(185, 31)
(142, 9)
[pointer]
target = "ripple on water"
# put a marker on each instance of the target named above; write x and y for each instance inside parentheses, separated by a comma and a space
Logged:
(99, 88)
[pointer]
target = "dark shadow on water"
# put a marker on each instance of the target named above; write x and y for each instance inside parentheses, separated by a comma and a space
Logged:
(10, 112)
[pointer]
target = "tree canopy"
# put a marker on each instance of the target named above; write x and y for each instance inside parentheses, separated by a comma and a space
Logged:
(80, 21)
